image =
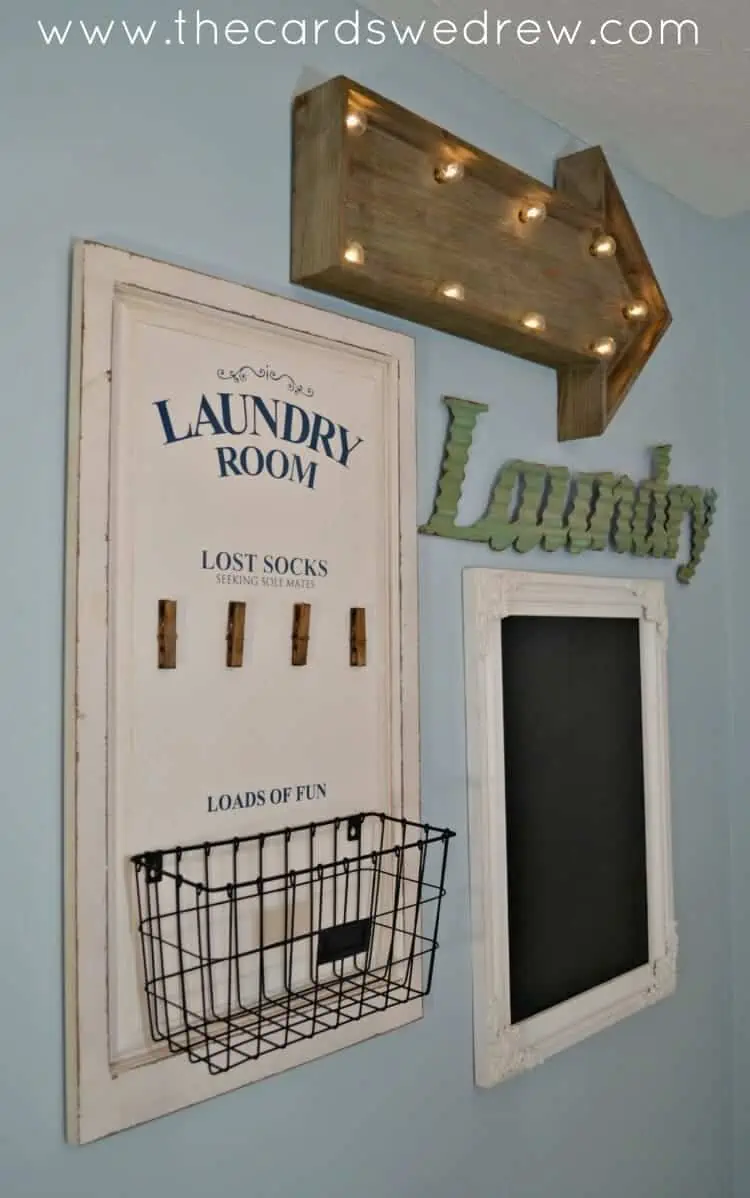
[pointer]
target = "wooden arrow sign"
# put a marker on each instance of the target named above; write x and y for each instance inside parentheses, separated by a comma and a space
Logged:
(390, 211)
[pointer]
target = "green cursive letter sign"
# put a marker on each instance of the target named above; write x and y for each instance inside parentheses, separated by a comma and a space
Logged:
(555, 509)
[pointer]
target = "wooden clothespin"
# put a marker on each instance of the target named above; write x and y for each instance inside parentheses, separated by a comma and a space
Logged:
(167, 634)
(357, 637)
(235, 634)
(300, 634)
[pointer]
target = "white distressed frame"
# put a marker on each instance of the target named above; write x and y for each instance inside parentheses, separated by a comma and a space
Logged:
(100, 1100)
(503, 1049)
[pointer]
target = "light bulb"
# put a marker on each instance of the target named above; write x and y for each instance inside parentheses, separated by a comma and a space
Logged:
(636, 310)
(604, 346)
(454, 291)
(534, 321)
(356, 122)
(354, 253)
(449, 172)
(533, 213)
(604, 246)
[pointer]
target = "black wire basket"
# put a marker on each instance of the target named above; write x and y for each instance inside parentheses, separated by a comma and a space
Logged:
(254, 944)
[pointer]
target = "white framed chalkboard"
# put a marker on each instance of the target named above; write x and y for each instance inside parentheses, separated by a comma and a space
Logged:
(569, 810)
(241, 641)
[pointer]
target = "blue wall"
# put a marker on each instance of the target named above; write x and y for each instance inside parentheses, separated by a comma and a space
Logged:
(184, 155)
(735, 270)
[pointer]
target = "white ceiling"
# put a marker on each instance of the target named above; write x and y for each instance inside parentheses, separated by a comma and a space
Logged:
(679, 116)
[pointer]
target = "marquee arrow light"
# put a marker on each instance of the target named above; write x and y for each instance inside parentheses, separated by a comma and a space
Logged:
(392, 212)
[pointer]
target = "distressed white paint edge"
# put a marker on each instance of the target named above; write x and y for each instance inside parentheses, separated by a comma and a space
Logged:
(72, 1129)
(99, 1103)
(503, 1049)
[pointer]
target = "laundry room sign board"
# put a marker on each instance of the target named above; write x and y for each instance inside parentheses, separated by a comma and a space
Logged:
(241, 620)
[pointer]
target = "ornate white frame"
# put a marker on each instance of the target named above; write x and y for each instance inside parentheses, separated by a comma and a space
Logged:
(503, 1049)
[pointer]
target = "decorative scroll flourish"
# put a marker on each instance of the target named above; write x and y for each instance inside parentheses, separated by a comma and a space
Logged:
(242, 374)
(537, 506)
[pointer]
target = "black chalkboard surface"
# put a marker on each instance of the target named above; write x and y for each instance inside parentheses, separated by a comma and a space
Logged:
(575, 812)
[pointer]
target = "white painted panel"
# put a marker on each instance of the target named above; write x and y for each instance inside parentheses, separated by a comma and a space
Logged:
(225, 445)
